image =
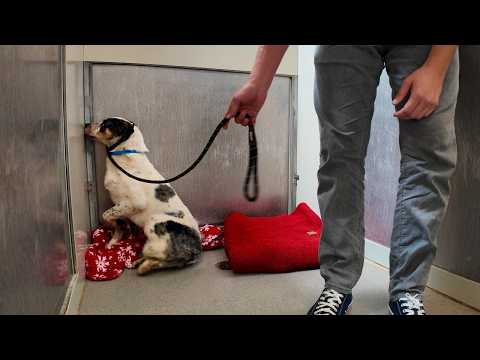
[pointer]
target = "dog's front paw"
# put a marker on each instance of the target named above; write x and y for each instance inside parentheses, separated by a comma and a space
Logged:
(117, 236)
(107, 218)
(112, 215)
(138, 262)
(111, 243)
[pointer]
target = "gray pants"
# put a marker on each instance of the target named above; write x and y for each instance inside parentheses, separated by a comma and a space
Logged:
(347, 77)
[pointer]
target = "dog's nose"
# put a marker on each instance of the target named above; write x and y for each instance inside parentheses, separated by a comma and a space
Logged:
(87, 129)
(87, 125)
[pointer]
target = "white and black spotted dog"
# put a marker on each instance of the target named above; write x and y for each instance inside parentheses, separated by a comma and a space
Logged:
(173, 237)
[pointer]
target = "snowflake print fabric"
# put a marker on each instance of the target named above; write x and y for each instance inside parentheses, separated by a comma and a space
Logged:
(103, 264)
(212, 237)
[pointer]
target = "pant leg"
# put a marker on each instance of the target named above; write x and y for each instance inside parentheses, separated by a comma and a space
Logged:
(347, 77)
(429, 153)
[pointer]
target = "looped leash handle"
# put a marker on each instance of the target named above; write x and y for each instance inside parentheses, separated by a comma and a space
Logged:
(252, 172)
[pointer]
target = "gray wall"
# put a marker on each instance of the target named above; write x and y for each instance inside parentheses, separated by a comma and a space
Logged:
(34, 258)
(459, 243)
(177, 110)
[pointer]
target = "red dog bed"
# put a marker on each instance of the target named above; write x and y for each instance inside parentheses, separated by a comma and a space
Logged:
(273, 244)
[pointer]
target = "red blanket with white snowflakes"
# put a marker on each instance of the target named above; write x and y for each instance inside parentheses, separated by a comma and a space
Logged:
(212, 237)
(102, 263)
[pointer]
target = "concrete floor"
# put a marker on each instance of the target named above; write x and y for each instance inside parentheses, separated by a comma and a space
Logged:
(203, 289)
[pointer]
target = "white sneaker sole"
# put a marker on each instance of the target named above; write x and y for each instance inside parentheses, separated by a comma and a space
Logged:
(349, 310)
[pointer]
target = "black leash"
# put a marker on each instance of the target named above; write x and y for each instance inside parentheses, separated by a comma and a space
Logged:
(252, 162)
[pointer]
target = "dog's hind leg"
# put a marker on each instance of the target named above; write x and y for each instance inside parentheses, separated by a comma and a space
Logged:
(155, 250)
(149, 264)
(169, 244)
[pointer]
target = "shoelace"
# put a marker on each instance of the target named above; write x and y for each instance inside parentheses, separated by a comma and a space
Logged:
(328, 303)
(412, 303)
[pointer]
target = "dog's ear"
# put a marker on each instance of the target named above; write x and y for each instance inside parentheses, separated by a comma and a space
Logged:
(117, 127)
(122, 130)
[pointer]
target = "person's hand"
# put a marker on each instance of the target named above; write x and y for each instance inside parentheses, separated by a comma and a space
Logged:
(246, 104)
(425, 86)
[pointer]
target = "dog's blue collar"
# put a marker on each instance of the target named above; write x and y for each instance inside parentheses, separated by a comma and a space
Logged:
(126, 151)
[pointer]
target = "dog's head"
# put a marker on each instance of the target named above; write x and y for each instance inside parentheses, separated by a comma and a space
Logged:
(110, 131)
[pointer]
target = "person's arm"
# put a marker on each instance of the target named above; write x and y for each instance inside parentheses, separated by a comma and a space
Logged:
(267, 60)
(249, 99)
(440, 57)
(425, 84)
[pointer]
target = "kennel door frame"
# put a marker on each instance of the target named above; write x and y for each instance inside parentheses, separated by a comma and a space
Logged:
(90, 147)
(34, 100)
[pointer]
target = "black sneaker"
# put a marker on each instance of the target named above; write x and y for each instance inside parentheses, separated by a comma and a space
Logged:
(331, 302)
(407, 305)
